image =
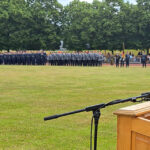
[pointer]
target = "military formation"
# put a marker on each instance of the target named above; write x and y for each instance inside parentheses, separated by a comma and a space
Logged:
(23, 59)
(75, 59)
(68, 59)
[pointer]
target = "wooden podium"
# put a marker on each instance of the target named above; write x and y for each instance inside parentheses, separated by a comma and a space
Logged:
(133, 127)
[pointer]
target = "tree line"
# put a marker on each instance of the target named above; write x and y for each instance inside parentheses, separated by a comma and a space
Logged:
(41, 24)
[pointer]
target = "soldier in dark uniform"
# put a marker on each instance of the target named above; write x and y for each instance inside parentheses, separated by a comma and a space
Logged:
(96, 59)
(127, 59)
(19, 59)
(15, 59)
(33, 60)
(5, 59)
(1, 59)
(23, 59)
(122, 62)
(44, 58)
(144, 59)
(39, 59)
(9, 59)
(117, 60)
(28, 59)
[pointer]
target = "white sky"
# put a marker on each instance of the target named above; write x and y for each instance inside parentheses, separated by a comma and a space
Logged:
(65, 2)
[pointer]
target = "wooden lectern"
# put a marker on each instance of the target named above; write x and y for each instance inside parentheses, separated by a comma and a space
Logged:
(133, 127)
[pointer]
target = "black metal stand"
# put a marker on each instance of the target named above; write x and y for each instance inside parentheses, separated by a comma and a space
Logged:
(96, 111)
(96, 115)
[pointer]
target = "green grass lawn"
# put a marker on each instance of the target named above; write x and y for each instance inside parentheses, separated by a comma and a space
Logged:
(29, 93)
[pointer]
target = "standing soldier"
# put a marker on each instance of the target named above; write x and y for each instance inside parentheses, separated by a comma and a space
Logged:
(24, 59)
(112, 60)
(58, 59)
(80, 59)
(65, 59)
(43, 58)
(84, 59)
(117, 60)
(100, 60)
(33, 60)
(52, 59)
(144, 59)
(1, 59)
(77, 59)
(88, 59)
(127, 59)
(73, 59)
(28, 58)
(69, 59)
(122, 59)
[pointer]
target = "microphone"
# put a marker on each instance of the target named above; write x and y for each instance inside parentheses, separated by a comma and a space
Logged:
(146, 96)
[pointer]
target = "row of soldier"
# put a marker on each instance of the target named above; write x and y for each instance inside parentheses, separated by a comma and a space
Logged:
(23, 59)
(75, 59)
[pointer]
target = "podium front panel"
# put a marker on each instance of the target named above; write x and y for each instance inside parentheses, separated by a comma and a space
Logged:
(140, 142)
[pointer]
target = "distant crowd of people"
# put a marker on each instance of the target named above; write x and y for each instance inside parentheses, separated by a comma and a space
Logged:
(73, 59)
(127, 59)
(23, 59)
(56, 59)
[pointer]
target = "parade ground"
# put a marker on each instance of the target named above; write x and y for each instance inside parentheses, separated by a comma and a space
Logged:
(30, 93)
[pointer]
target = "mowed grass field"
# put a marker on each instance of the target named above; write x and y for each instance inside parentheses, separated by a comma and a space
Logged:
(29, 93)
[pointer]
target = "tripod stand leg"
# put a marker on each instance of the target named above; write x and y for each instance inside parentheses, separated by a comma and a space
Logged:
(96, 115)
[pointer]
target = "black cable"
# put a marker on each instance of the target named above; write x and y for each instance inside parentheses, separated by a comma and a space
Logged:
(91, 133)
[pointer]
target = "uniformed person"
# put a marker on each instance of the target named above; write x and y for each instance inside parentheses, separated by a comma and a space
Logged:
(1, 59)
(121, 61)
(117, 60)
(144, 59)
(127, 59)
(100, 60)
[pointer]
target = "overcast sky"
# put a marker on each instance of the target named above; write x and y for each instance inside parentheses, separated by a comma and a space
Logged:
(65, 2)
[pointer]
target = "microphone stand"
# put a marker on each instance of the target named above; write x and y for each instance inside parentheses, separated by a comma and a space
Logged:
(96, 111)
(96, 115)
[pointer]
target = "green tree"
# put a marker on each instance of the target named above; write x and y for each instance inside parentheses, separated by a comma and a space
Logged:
(12, 20)
(143, 17)
(76, 24)
(45, 24)
(30, 24)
